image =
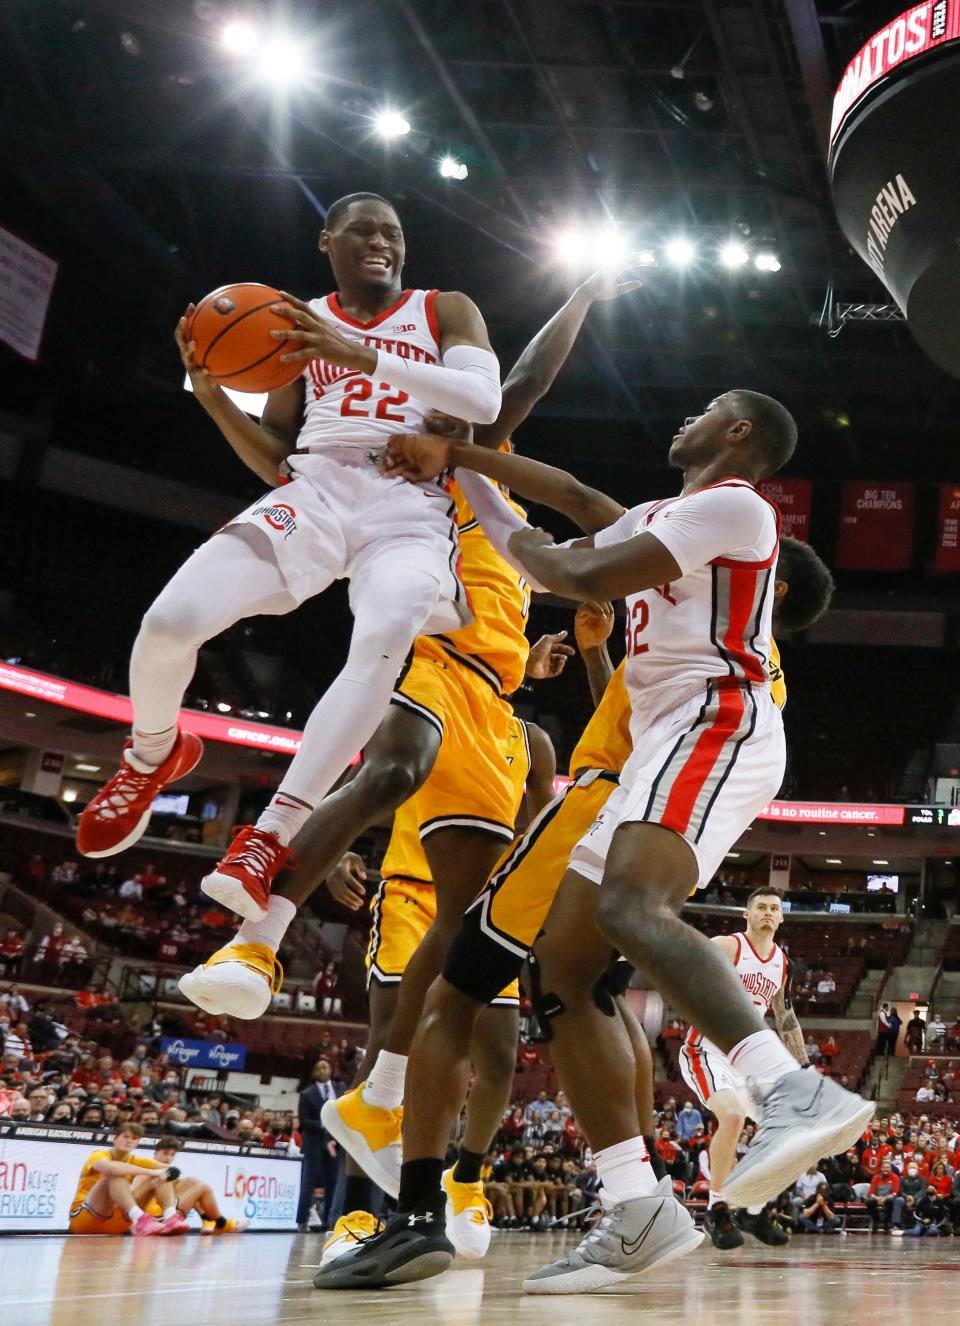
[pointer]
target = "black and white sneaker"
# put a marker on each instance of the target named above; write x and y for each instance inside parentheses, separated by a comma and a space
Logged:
(805, 1116)
(719, 1225)
(762, 1228)
(410, 1247)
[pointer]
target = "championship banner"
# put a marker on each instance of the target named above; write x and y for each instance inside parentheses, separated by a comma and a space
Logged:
(792, 497)
(204, 1054)
(779, 873)
(26, 281)
(947, 556)
(40, 1168)
(876, 527)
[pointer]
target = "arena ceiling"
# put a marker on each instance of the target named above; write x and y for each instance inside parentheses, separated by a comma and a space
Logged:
(154, 167)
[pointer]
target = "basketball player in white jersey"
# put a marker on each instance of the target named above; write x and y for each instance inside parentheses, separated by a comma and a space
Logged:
(761, 966)
(376, 359)
(708, 753)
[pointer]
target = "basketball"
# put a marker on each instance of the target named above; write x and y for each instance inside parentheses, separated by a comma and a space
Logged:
(232, 327)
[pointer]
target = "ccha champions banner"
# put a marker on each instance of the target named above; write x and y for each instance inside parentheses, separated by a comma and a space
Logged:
(792, 499)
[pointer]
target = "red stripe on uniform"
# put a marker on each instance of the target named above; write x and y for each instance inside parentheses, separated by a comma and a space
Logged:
(699, 765)
(743, 589)
(698, 1073)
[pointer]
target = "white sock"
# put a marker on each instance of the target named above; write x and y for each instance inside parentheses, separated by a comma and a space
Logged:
(171, 1210)
(755, 1210)
(625, 1170)
(714, 1198)
(152, 748)
(764, 1057)
(134, 1214)
(284, 816)
(273, 927)
(384, 1086)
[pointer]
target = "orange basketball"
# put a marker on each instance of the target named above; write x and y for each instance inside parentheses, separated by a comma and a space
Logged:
(232, 327)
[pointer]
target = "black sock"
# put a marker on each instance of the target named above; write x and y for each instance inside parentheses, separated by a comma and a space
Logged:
(220, 1222)
(656, 1164)
(420, 1188)
(357, 1194)
(467, 1168)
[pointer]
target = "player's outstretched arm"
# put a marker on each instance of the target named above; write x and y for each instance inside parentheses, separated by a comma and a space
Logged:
(583, 572)
(788, 1025)
(535, 371)
(262, 447)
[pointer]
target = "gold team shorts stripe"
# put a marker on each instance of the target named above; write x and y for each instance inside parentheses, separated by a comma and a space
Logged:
(403, 911)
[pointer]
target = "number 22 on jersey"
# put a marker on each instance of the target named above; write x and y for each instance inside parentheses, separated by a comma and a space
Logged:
(358, 402)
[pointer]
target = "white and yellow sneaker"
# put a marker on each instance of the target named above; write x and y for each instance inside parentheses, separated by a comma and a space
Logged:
(240, 980)
(468, 1217)
(347, 1233)
(371, 1135)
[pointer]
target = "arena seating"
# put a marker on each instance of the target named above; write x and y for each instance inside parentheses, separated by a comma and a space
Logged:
(948, 1069)
(951, 949)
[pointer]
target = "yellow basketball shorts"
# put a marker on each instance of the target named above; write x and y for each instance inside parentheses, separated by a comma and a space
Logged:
(85, 1221)
(478, 778)
(501, 926)
(402, 912)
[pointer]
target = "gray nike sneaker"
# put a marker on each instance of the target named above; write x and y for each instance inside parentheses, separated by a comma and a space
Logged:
(629, 1240)
(805, 1117)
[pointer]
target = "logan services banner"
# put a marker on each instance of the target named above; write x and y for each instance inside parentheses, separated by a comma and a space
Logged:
(40, 1168)
(876, 527)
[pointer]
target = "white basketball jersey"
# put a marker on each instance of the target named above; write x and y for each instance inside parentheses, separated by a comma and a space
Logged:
(760, 977)
(345, 408)
(713, 624)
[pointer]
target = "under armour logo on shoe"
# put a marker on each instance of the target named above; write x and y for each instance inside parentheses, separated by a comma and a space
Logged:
(635, 1245)
(419, 1220)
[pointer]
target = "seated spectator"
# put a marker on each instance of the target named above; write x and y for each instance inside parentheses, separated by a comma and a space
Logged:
(49, 946)
(806, 1187)
(936, 1032)
(884, 1188)
(17, 1043)
(829, 1047)
(13, 1004)
(688, 1121)
(812, 1048)
(11, 952)
(818, 1216)
(929, 1215)
(826, 985)
(941, 1179)
(131, 890)
(925, 1094)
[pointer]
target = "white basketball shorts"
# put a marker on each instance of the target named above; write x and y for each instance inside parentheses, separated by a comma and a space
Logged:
(704, 769)
(706, 1070)
(340, 518)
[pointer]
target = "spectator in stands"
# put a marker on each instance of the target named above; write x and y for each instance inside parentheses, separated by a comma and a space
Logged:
(538, 1109)
(941, 1178)
(17, 1042)
(896, 1023)
(914, 1034)
(11, 952)
(829, 1048)
(912, 1187)
(928, 1214)
(13, 1004)
(826, 985)
(805, 1188)
(884, 1188)
(48, 949)
(812, 1048)
(936, 1032)
(925, 1094)
(688, 1121)
(320, 1161)
(818, 1216)
(842, 1173)
(61, 1112)
(883, 1029)
(131, 890)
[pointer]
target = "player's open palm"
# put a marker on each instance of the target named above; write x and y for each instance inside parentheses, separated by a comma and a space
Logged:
(415, 456)
(548, 657)
(200, 378)
(346, 881)
(604, 285)
(592, 625)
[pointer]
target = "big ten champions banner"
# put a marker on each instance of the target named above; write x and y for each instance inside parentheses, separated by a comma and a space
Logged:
(40, 1169)
(792, 498)
(876, 527)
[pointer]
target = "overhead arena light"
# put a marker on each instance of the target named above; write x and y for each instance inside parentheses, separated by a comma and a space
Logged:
(452, 169)
(238, 38)
(604, 247)
(734, 255)
(680, 252)
(281, 61)
(767, 262)
(643, 258)
(391, 124)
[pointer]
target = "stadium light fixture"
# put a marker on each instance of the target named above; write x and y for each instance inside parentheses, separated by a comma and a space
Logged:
(643, 258)
(767, 262)
(281, 61)
(391, 124)
(238, 37)
(69, 794)
(452, 169)
(570, 246)
(734, 255)
(680, 252)
(834, 861)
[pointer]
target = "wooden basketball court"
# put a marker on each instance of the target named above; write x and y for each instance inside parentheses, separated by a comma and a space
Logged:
(263, 1279)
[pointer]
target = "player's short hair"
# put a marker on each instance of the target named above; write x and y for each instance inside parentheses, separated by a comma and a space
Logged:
(774, 427)
(169, 1144)
(810, 586)
(764, 891)
(134, 1129)
(337, 210)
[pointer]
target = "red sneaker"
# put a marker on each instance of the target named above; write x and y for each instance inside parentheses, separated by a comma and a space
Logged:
(146, 1227)
(241, 881)
(175, 1224)
(120, 812)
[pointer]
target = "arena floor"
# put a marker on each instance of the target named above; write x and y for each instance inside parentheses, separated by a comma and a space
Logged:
(266, 1278)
